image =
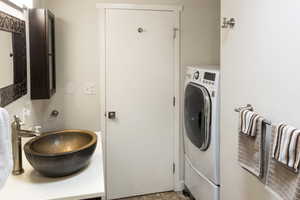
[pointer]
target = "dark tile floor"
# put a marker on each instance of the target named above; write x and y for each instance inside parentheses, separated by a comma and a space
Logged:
(160, 196)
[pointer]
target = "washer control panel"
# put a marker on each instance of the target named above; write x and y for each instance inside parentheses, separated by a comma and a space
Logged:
(207, 78)
(204, 77)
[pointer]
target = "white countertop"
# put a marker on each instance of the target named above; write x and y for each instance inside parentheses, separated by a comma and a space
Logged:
(88, 183)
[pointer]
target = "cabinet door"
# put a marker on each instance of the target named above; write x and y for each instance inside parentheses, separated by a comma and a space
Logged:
(42, 53)
(51, 52)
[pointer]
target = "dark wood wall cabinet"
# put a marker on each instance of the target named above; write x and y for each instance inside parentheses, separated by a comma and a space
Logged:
(42, 53)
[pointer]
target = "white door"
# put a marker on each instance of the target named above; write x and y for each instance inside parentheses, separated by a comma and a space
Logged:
(140, 89)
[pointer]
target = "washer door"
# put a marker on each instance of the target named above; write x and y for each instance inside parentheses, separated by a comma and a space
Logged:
(197, 115)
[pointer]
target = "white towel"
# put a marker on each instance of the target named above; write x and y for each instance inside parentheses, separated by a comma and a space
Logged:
(6, 160)
(285, 146)
(248, 122)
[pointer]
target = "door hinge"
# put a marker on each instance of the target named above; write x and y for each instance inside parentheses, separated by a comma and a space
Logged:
(174, 101)
(175, 32)
(173, 168)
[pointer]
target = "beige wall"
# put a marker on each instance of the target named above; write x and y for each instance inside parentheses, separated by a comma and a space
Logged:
(259, 65)
(77, 54)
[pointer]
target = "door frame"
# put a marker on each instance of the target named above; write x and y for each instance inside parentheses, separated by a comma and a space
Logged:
(176, 9)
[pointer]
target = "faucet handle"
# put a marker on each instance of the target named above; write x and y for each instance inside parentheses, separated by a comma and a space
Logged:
(18, 120)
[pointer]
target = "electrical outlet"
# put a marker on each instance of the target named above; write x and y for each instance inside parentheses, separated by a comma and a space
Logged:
(89, 88)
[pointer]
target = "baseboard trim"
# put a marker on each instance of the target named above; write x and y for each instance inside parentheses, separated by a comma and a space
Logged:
(179, 186)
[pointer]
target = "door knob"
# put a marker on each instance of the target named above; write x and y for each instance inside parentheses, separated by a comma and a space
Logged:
(111, 115)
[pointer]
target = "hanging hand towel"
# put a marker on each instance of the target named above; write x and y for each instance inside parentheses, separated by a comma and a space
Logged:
(6, 161)
(282, 177)
(248, 122)
(251, 143)
(285, 146)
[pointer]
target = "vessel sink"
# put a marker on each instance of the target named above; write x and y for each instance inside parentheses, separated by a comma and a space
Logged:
(61, 153)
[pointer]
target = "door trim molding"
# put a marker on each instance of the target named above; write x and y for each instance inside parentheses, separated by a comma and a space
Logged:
(102, 8)
(172, 8)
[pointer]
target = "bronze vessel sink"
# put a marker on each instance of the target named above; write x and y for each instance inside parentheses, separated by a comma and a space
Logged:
(61, 153)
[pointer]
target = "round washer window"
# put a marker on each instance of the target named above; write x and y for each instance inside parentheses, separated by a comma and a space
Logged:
(197, 115)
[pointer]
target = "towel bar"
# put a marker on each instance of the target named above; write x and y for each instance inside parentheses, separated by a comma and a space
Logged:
(250, 107)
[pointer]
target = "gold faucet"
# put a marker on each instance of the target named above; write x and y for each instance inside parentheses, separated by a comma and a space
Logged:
(17, 134)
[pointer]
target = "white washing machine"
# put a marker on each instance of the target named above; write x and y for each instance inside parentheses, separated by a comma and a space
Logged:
(201, 133)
